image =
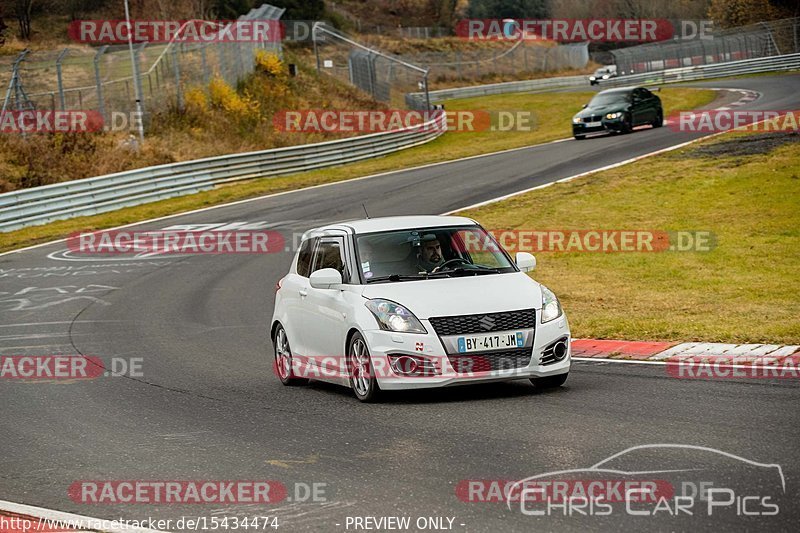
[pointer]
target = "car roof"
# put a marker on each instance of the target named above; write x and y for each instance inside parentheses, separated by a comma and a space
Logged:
(619, 90)
(623, 89)
(371, 225)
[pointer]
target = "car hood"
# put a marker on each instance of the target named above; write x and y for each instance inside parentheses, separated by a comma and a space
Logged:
(602, 110)
(487, 293)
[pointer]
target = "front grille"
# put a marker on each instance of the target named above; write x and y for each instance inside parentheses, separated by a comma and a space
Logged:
(593, 118)
(487, 361)
(484, 323)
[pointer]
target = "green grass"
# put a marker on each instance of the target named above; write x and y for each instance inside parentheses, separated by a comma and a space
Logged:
(744, 290)
(552, 114)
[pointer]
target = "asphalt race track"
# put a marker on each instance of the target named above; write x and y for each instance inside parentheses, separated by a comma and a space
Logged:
(207, 406)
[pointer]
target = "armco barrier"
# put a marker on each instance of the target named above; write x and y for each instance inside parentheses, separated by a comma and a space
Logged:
(417, 100)
(40, 205)
(713, 70)
(675, 75)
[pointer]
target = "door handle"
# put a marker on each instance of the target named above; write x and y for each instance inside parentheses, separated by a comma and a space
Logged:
(303, 293)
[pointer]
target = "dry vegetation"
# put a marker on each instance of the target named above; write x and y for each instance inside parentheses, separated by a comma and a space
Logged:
(217, 120)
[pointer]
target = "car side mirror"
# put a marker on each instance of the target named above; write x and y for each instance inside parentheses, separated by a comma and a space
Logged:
(325, 278)
(584, 106)
(525, 261)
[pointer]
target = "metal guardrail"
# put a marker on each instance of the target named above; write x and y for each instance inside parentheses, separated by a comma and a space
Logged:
(90, 196)
(714, 70)
(40, 205)
(417, 100)
(674, 75)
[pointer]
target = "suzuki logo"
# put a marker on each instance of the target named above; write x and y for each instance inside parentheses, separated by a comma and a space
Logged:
(487, 322)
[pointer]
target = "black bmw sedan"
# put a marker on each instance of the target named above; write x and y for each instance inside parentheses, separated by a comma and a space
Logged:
(618, 110)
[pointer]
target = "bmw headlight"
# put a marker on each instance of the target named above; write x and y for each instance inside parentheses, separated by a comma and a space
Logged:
(605, 76)
(551, 308)
(592, 78)
(394, 317)
(613, 115)
(576, 120)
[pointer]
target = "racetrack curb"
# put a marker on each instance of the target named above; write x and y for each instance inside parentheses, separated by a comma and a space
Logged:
(669, 352)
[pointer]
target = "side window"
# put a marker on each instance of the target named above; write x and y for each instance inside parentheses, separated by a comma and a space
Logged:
(305, 256)
(330, 254)
(645, 93)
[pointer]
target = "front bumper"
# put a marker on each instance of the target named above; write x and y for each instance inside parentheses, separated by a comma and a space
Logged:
(606, 124)
(429, 346)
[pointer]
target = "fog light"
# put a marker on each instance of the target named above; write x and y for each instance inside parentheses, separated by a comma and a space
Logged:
(409, 365)
(560, 350)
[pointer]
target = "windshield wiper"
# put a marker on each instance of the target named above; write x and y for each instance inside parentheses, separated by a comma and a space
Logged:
(461, 271)
(398, 277)
(478, 269)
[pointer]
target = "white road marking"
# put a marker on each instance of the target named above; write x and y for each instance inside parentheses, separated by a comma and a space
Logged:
(660, 363)
(57, 322)
(247, 200)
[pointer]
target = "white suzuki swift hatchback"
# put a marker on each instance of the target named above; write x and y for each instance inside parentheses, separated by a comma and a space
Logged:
(413, 302)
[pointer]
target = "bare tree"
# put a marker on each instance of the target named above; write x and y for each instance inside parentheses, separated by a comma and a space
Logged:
(22, 11)
(3, 28)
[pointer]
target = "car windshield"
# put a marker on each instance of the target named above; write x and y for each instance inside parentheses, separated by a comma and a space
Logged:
(409, 254)
(609, 98)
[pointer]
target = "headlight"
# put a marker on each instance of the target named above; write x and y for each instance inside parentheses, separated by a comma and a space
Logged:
(592, 78)
(576, 120)
(605, 76)
(613, 115)
(394, 317)
(551, 308)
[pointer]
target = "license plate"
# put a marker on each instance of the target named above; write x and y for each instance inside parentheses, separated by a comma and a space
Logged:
(593, 124)
(492, 341)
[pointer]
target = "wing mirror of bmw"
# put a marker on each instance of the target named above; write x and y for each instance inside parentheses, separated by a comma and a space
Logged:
(325, 278)
(584, 106)
(525, 261)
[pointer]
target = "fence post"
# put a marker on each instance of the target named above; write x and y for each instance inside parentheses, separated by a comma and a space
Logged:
(137, 83)
(314, 42)
(204, 61)
(239, 66)
(98, 82)
(61, 99)
(176, 68)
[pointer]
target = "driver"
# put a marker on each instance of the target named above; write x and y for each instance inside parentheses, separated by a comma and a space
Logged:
(430, 254)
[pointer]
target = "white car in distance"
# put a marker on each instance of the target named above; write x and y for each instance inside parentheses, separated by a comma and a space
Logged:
(414, 302)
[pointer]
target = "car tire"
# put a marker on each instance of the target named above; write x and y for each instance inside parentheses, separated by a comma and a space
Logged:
(361, 375)
(550, 382)
(627, 125)
(283, 359)
(579, 137)
(659, 121)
